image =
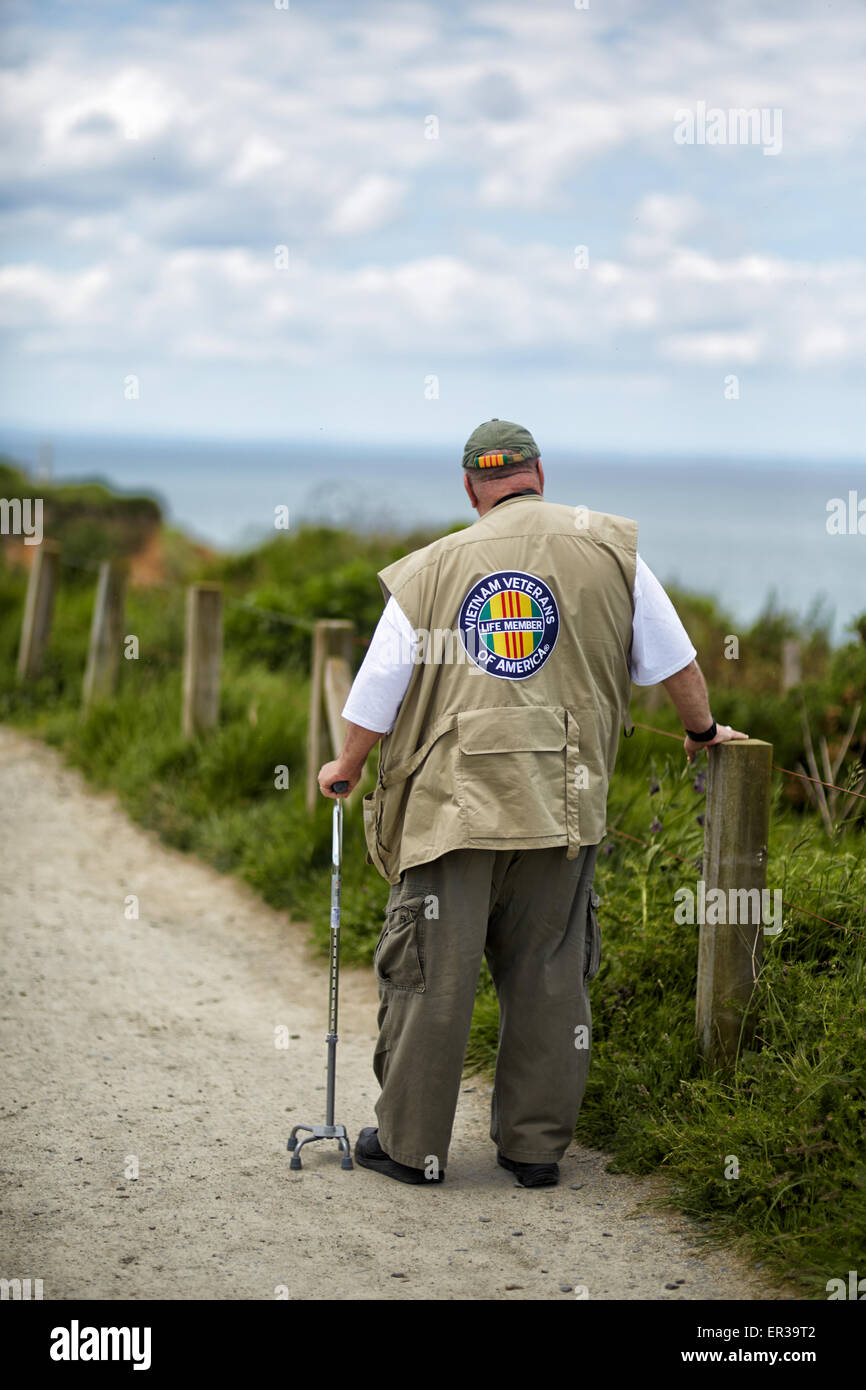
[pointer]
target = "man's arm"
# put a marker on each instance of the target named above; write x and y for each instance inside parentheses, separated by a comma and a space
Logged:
(350, 764)
(688, 690)
(662, 654)
(375, 698)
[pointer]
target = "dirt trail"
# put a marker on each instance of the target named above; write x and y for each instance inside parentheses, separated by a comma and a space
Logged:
(154, 1038)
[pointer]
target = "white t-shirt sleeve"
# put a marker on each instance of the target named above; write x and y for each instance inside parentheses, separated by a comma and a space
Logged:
(660, 644)
(383, 679)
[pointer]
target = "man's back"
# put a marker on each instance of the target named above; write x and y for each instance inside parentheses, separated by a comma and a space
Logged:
(508, 732)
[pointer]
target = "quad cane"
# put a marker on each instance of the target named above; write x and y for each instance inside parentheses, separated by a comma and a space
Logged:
(329, 1130)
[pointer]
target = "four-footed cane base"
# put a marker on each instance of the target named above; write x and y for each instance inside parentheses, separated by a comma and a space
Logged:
(337, 1132)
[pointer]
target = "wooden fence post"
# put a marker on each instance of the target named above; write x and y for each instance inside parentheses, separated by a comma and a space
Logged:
(106, 633)
(792, 664)
(202, 659)
(332, 638)
(38, 609)
(338, 683)
(736, 833)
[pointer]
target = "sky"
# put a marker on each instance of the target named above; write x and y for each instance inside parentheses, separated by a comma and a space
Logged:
(385, 222)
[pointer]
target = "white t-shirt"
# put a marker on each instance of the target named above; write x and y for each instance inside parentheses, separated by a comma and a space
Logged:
(660, 647)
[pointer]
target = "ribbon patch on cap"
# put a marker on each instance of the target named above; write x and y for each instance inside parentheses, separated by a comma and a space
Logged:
(493, 460)
(509, 624)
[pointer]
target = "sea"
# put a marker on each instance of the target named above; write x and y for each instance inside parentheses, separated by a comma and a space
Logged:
(750, 533)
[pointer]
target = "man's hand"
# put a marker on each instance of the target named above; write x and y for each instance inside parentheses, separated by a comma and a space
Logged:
(349, 766)
(339, 771)
(724, 734)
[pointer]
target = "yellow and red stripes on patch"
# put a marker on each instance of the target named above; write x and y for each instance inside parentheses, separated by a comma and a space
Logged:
(512, 605)
(492, 460)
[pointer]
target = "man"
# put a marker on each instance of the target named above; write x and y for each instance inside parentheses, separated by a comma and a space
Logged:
(498, 679)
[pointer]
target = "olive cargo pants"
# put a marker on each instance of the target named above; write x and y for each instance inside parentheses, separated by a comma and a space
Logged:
(533, 914)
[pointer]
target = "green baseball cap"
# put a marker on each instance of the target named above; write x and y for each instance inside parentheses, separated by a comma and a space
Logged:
(498, 442)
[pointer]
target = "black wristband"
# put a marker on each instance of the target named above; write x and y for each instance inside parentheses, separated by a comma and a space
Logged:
(703, 738)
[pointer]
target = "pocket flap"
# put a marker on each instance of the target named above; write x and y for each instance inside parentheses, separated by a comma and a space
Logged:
(592, 961)
(532, 729)
(399, 955)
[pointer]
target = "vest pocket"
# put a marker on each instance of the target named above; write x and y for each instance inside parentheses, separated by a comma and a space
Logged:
(592, 949)
(399, 956)
(372, 808)
(511, 772)
(589, 739)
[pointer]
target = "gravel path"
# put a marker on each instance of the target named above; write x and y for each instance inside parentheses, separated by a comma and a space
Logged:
(153, 1041)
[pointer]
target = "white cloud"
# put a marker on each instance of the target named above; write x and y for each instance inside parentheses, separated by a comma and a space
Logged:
(685, 307)
(33, 293)
(157, 160)
(724, 349)
(661, 219)
(373, 201)
(824, 342)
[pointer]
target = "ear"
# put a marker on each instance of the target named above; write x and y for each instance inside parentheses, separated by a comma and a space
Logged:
(541, 475)
(468, 486)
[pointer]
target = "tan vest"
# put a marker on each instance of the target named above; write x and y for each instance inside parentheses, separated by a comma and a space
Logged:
(508, 733)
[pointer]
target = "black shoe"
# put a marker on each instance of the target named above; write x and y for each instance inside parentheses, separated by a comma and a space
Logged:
(530, 1174)
(370, 1154)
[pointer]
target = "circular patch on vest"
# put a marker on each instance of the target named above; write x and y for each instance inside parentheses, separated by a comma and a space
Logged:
(509, 623)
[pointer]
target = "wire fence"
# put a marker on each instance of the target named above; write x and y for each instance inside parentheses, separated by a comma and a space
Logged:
(846, 791)
(310, 625)
(795, 907)
(179, 587)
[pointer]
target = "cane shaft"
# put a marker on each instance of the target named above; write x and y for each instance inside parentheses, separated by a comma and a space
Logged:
(336, 887)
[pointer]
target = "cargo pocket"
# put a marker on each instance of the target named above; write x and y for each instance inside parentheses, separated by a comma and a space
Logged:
(592, 955)
(511, 773)
(399, 956)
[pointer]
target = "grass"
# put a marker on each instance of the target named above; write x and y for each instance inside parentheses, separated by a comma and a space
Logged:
(789, 1118)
